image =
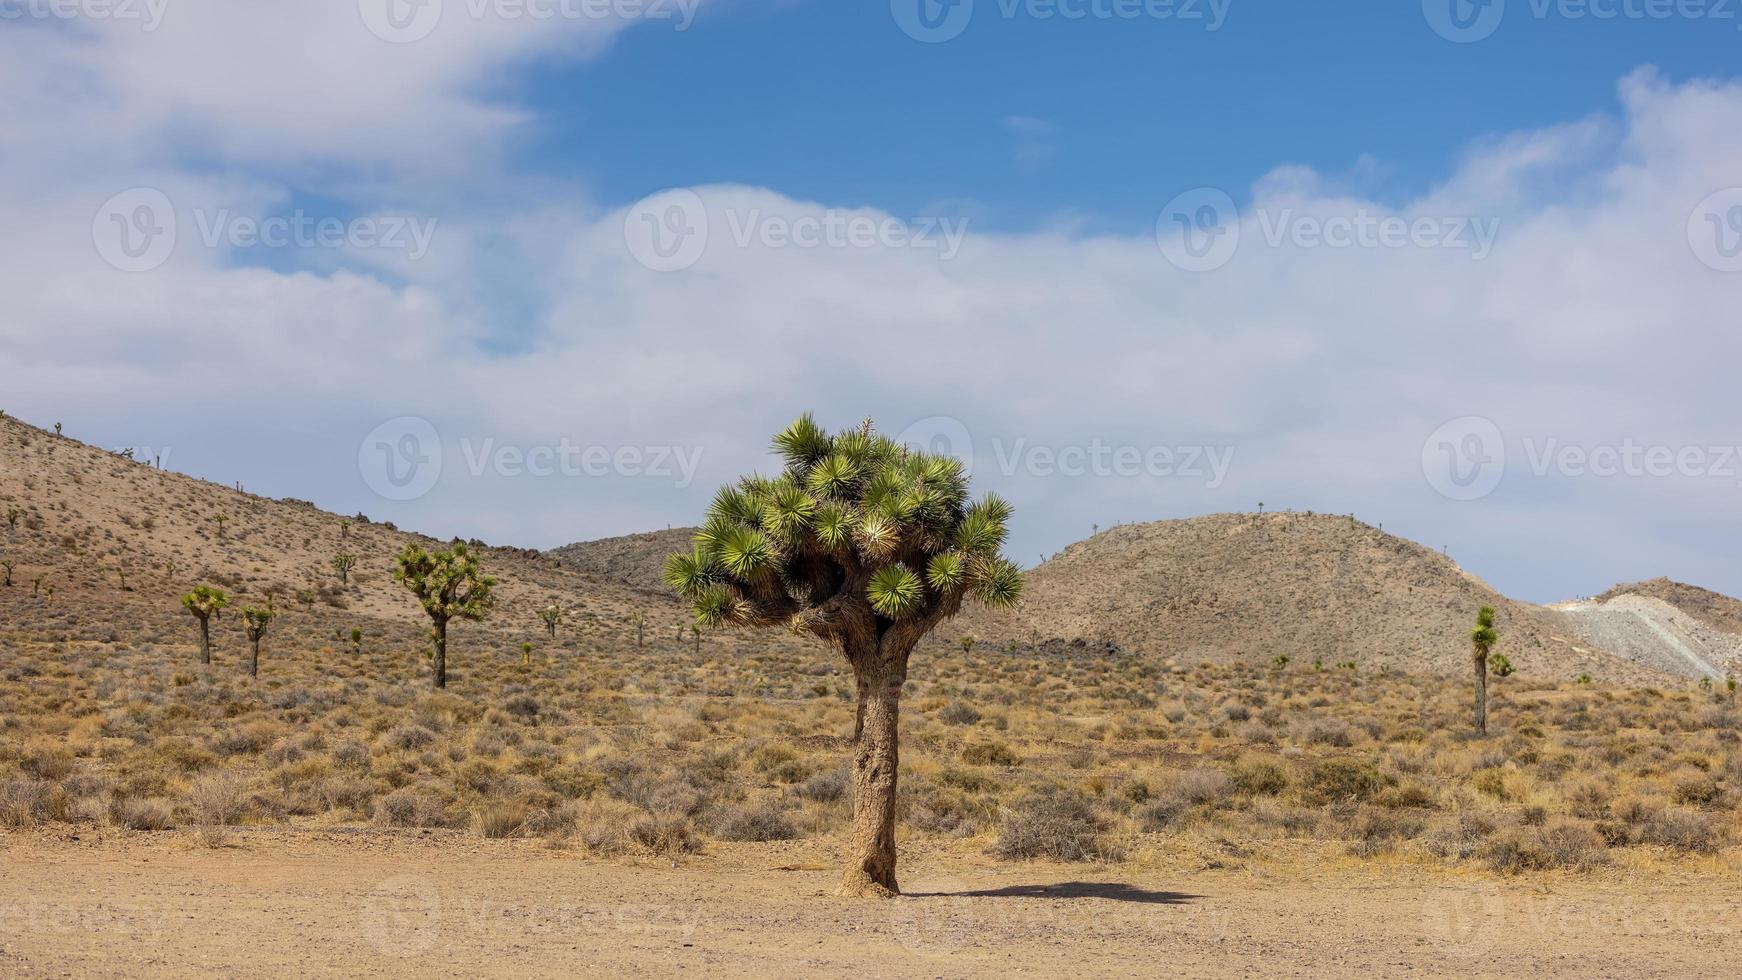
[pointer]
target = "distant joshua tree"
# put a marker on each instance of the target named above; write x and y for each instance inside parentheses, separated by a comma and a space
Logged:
(7, 565)
(867, 545)
(254, 622)
(526, 655)
(639, 621)
(1482, 640)
(343, 565)
(205, 602)
(967, 643)
(552, 617)
(344, 529)
(219, 520)
(356, 640)
(12, 516)
(449, 585)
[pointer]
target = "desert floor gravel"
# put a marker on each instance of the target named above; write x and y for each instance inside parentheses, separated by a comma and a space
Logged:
(367, 904)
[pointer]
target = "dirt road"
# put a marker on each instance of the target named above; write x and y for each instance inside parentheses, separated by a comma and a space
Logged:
(377, 905)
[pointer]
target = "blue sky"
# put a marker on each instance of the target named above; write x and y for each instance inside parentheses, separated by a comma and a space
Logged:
(1101, 235)
(832, 102)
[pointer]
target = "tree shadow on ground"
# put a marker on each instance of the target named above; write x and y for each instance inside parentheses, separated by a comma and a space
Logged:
(1116, 891)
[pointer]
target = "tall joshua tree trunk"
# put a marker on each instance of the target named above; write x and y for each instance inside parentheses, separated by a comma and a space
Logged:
(205, 641)
(859, 710)
(441, 653)
(254, 659)
(1481, 660)
(876, 764)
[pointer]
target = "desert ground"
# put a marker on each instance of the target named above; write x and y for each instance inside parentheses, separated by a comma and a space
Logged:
(369, 903)
(616, 795)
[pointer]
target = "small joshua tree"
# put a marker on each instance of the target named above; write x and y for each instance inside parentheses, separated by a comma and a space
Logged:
(639, 621)
(219, 520)
(449, 585)
(57, 430)
(254, 622)
(356, 640)
(36, 586)
(868, 546)
(1500, 666)
(526, 655)
(967, 643)
(1482, 640)
(343, 565)
(344, 529)
(12, 516)
(205, 602)
(8, 567)
(552, 617)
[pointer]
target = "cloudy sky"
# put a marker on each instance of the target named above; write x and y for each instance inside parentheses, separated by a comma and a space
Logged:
(544, 270)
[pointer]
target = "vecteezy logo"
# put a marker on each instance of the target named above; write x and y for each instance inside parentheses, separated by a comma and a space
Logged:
(940, 435)
(400, 21)
(401, 459)
(402, 916)
(932, 21)
(1199, 230)
(668, 231)
(1465, 458)
(1715, 230)
(134, 231)
(1464, 21)
(1464, 921)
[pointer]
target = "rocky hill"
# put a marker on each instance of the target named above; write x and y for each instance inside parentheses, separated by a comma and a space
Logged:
(1309, 586)
(633, 559)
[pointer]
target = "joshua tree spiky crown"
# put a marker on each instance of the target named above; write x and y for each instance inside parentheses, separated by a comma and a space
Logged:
(205, 601)
(858, 537)
(448, 584)
(1484, 636)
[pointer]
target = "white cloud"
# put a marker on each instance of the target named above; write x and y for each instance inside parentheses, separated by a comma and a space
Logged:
(1323, 369)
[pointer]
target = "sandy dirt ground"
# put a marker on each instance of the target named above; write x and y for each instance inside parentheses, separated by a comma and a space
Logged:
(367, 904)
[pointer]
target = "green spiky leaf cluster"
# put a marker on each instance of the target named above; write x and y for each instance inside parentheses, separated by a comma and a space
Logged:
(856, 531)
(205, 601)
(448, 584)
(1484, 636)
(255, 620)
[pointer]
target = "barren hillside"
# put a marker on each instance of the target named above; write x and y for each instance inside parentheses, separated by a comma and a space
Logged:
(1243, 586)
(1714, 609)
(119, 542)
(633, 559)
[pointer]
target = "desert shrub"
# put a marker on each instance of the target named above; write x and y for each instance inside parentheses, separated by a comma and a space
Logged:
(499, 819)
(145, 814)
(27, 802)
(1376, 831)
(990, 754)
(947, 811)
(1162, 812)
(756, 822)
(825, 787)
(1405, 796)
(1202, 786)
(410, 808)
(1492, 782)
(1697, 791)
(1327, 731)
(1682, 830)
(1055, 824)
(958, 713)
(1464, 838)
(603, 824)
(1569, 846)
(665, 835)
(218, 799)
(46, 760)
(1259, 777)
(1344, 781)
(408, 738)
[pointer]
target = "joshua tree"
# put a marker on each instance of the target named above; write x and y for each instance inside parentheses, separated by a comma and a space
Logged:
(205, 602)
(8, 567)
(254, 621)
(447, 584)
(344, 529)
(867, 546)
(48, 593)
(1500, 666)
(57, 430)
(12, 516)
(639, 621)
(967, 643)
(552, 617)
(169, 567)
(356, 640)
(219, 520)
(122, 572)
(343, 565)
(526, 655)
(1482, 640)
(36, 586)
